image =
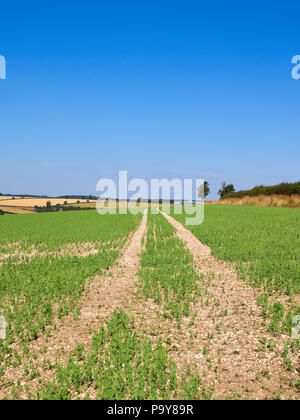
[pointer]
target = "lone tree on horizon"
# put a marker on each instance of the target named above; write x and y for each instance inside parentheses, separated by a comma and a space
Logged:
(206, 189)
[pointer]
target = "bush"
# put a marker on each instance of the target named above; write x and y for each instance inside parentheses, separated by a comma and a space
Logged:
(59, 207)
(284, 188)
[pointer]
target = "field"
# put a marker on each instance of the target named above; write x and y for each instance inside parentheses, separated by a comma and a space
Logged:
(274, 200)
(16, 210)
(7, 197)
(26, 205)
(264, 244)
(143, 307)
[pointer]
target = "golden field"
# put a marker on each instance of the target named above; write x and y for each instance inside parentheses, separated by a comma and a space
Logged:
(31, 202)
(26, 205)
(263, 201)
(7, 197)
(16, 210)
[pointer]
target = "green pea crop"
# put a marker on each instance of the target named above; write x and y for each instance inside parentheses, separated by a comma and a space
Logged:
(264, 244)
(49, 282)
(167, 274)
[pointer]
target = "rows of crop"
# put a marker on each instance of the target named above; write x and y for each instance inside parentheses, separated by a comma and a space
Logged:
(264, 243)
(54, 230)
(120, 363)
(35, 291)
(167, 273)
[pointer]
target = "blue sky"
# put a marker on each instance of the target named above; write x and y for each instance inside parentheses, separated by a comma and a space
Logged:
(162, 89)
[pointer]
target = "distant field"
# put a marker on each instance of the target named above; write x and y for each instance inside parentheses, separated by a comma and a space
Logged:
(7, 197)
(83, 204)
(111, 204)
(16, 210)
(31, 202)
(26, 205)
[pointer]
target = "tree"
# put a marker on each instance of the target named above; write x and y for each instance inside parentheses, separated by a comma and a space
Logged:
(206, 189)
(48, 205)
(225, 189)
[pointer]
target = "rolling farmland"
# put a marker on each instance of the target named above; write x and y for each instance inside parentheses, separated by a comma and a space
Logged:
(25, 205)
(140, 307)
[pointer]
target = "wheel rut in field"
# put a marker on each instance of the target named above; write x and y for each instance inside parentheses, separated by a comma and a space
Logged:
(231, 343)
(102, 296)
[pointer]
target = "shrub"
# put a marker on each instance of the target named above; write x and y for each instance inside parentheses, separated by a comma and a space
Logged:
(284, 188)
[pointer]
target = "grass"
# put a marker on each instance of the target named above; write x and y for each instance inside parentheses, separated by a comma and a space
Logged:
(275, 200)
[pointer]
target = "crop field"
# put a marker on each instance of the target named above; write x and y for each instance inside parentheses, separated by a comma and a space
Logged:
(26, 205)
(264, 244)
(7, 197)
(143, 307)
(16, 210)
(31, 202)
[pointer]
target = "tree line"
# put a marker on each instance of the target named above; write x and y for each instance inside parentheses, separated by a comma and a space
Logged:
(228, 190)
(60, 207)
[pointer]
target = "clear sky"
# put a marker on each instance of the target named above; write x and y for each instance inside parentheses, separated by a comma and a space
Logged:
(160, 88)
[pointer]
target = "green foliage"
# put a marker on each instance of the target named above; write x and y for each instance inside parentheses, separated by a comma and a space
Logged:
(167, 274)
(225, 190)
(34, 289)
(120, 364)
(206, 189)
(264, 243)
(284, 188)
(60, 207)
